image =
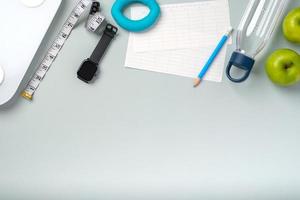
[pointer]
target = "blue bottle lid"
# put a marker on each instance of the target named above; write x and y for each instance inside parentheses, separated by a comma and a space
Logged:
(242, 62)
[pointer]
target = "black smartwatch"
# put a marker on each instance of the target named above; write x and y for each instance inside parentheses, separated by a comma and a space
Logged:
(89, 67)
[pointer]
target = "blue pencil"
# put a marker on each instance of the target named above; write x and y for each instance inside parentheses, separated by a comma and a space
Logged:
(212, 57)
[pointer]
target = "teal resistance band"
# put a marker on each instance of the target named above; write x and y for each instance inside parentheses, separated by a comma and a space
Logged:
(135, 25)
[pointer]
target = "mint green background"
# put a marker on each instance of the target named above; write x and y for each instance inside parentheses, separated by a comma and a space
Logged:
(142, 135)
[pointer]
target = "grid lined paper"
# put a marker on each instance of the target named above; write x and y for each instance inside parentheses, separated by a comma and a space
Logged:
(182, 40)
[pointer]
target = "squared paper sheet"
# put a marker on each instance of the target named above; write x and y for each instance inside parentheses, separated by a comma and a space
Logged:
(182, 40)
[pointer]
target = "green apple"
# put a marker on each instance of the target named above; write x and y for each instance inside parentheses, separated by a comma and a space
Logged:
(283, 67)
(291, 26)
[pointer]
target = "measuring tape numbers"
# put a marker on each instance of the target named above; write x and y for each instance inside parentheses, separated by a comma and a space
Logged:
(95, 18)
(94, 21)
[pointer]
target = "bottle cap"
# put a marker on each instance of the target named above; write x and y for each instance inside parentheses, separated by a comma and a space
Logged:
(242, 62)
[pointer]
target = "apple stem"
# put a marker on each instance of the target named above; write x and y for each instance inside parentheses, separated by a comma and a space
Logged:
(289, 65)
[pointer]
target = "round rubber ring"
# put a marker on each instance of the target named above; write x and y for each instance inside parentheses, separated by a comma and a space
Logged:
(135, 25)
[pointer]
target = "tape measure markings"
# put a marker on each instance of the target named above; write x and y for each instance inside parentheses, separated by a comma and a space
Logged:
(95, 21)
(58, 45)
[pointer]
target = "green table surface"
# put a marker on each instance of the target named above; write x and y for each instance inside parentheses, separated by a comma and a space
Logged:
(143, 135)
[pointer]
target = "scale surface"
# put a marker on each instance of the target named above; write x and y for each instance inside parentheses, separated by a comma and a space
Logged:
(23, 26)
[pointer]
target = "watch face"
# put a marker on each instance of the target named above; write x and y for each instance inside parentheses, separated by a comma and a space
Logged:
(87, 71)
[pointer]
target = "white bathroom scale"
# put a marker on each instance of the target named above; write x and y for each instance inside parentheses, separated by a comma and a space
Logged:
(24, 24)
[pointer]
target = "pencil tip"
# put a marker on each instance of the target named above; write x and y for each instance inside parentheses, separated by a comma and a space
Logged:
(197, 82)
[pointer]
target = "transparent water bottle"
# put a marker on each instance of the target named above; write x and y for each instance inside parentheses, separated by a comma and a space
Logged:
(256, 27)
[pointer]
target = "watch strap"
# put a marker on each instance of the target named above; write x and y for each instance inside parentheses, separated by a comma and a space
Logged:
(109, 33)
